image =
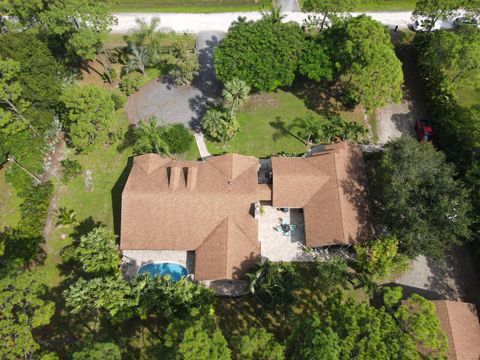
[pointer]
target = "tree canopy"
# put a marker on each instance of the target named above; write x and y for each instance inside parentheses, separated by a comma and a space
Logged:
(435, 10)
(87, 114)
(419, 199)
(264, 53)
(258, 344)
(99, 351)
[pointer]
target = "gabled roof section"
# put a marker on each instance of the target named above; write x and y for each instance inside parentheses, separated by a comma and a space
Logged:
(150, 162)
(232, 165)
(460, 323)
(226, 253)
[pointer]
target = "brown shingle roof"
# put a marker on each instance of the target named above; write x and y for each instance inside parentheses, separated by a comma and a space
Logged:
(460, 322)
(331, 188)
(160, 210)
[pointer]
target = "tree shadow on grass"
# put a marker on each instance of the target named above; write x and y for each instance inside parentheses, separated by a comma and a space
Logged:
(282, 130)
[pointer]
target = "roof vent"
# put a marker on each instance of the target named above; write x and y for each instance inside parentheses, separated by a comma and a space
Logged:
(192, 178)
(174, 179)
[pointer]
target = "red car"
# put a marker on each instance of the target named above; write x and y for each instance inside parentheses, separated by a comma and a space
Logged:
(424, 130)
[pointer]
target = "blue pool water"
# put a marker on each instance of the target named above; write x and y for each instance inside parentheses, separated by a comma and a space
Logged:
(176, 271)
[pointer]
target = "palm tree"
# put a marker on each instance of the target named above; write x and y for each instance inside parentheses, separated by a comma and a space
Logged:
(333, 128)
(275, 15)
(235, 93)
(146, 35)
(353, 130)
(139, 59)
(310, 129)
(149, 138)
(66, 217)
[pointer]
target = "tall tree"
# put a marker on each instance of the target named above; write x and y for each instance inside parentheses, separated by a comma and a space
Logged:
(98, 252)
(149, 138)
(367, 66)
(22, 311)
(235, 93)
(328, 8)
(182, 62)
(98, 351)
(218, 125)
(472, 8)
(147, 35)
(310, 129)
(418, 198)
(13, 106)
(258, 344)
(264, 54)
(87, 114)
(315, 62)
(139, 58)
(435, 10)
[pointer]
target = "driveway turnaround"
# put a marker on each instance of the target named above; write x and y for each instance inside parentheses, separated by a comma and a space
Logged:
(179, 104)
(196, 23)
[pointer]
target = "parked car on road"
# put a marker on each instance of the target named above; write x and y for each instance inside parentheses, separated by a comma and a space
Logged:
(422, 25)
(424, 130)
(465, 21)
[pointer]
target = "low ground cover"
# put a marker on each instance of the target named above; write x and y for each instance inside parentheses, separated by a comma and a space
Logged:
(264, 125)
(385, 5)
(468, 96)
(9, 203)
(196, 6)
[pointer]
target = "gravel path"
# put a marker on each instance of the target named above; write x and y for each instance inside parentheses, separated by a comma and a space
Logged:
(452, 279)
(184, 104)
(196, 23)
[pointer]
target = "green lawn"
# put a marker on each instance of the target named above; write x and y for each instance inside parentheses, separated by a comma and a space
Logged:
(9, 203)
(468, 97)
(195, 6)
(264, 122)
(385, 5)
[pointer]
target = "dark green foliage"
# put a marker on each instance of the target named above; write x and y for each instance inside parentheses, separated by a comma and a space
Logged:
(315, 61)
(40, 74)
(130, 84)
(178, 138)
(34, 209)
(264, 54)
(331, 274)
(258, 344)
(218, 125)
(344, 329)
(419, 200)
(99, 351)
(195, 339)
(70, 169)
(273, 285)
(119, 99)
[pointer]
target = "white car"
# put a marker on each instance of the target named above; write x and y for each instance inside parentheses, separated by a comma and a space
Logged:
(422, 25)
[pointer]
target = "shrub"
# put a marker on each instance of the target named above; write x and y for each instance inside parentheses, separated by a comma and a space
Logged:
(182, 62)
(70, 170)
(178, 138)
(130, 83)
(119, 99)
(218, 125)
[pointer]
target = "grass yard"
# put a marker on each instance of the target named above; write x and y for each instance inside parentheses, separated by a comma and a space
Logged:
(193, 6)
(264, 122)
(9, 203)
(468, 97)
(385, 5)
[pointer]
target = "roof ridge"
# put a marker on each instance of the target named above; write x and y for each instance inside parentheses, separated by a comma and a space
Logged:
(337, 188)
(231, 156)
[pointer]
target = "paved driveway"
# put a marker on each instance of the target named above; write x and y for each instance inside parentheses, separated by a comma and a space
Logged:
(183, 104)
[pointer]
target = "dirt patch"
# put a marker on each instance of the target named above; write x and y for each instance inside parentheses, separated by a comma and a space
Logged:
(92, 75)
(261, 100)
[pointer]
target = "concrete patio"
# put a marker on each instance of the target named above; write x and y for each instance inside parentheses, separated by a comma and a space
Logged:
(274, 245)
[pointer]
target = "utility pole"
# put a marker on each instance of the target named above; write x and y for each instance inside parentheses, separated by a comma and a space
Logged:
(11, 159)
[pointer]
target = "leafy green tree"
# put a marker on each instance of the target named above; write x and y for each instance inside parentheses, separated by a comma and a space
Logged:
(418, 198)
(98, 252)
(435, 10)
(87, 114)
(178, 138)
(455, 56)
(22, 311)
(331, 273)
(273, 284)
(328, 8)
(218, 125)
(315, 62)
(380, 258)
(13, 106)
(235, 93)
(149, 139)
(367, 66)
(419, 320)
(264, 54)
(198, 339)
(99, 351)
(182, 62)
(258, 344)
(472, 8)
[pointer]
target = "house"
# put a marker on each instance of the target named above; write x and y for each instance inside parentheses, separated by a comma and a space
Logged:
(461, 325)
(201, 214)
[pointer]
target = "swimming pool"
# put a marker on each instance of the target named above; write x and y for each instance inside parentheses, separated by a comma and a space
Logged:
(176, 271)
